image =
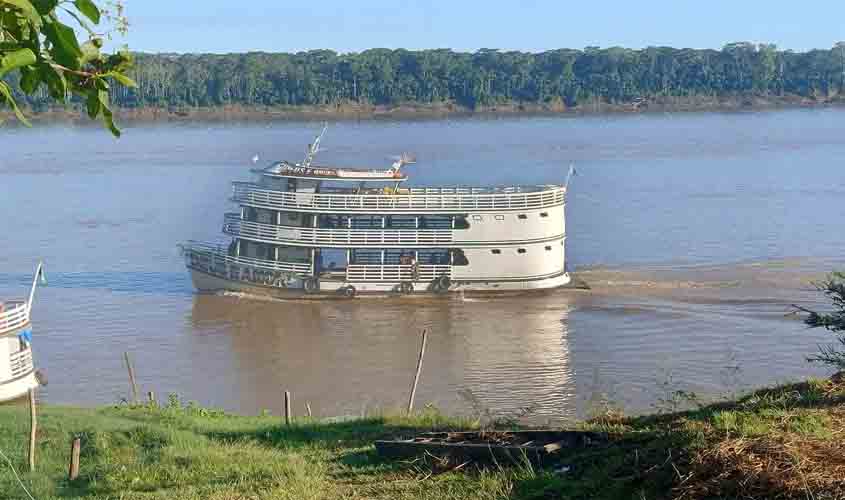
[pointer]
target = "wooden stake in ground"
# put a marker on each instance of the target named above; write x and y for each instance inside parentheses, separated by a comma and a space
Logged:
(33, 427)
(131, 378)
(417, 375)
(73, 470)
(152, 397)
(287, 408)
(308, 408)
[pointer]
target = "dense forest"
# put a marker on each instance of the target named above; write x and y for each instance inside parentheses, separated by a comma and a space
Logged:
(473, 80)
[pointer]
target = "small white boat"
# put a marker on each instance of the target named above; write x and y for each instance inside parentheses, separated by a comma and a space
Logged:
(17, 370)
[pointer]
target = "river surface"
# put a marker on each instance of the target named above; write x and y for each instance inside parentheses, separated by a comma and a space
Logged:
(696, 232)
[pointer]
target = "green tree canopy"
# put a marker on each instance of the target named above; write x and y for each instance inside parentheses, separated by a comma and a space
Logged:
(37, 49)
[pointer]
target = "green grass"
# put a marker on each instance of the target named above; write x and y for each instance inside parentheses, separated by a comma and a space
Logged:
(187, 453)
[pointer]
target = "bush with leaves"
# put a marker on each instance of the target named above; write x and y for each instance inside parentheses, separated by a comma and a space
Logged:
(43, 50)
(834, 321)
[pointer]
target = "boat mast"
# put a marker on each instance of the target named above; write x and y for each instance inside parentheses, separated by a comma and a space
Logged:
(314, 148)
(39, 273)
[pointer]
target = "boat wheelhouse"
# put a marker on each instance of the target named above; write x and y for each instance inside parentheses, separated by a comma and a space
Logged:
(17, 371)
(304, 229)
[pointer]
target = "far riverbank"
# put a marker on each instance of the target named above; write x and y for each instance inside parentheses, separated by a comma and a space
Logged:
(413, 111)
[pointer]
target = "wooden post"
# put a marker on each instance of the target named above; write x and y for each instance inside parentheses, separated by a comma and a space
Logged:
(131, 378)
(417, 375)
(287, 408)
(152, 397)
(33, 427)
(308, 408)
(73, 471)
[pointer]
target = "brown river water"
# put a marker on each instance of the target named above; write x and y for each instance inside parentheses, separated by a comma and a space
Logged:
(695, 232)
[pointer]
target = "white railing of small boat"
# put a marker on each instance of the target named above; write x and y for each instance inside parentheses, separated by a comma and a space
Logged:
(414, 199)
(215, 258)
(271, 233)
(20, 363)
(396, 273)
(14, 315)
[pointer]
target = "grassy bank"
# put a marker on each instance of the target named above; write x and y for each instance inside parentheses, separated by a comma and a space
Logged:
(781, 442)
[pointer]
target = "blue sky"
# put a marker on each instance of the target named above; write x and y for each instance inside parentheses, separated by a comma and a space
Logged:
(533, 25)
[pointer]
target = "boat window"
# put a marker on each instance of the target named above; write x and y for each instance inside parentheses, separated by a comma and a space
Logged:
(544, 214)
(522, 216)
(434, 257)
(368, 257)
(459, 258)
(520, 250)
(477, 217)
(435, 222)
(495, 251)
(460, 222)
(401, 222)
(548, 247)
(299, 255)
(500, 217)
(265, 216)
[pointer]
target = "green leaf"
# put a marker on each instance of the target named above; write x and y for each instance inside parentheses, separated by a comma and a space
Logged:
(93, 104)
(30, 79)
(88, 9)
(6, 92)
(27, 8)
(56, 81)
(44, 7)
(122, 79)
(65, 48)
(16, 59)
(90, 51)
(108, 121)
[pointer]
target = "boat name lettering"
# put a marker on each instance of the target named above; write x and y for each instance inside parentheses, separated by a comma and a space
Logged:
(320, 172)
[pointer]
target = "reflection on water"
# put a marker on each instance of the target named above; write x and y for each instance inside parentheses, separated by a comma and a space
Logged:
(350, 356)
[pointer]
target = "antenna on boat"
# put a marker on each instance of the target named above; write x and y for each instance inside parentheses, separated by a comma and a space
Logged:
(39, 273)
(572, 173)
(314, 148)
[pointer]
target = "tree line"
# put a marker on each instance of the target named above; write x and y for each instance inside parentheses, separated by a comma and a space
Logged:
(483, 78)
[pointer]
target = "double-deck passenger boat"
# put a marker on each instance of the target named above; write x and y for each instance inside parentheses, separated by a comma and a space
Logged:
(17, 372)
(321, 231)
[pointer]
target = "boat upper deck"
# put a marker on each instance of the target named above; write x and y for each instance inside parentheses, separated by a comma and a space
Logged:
(284, 169)
(13, 315)
(401, 200)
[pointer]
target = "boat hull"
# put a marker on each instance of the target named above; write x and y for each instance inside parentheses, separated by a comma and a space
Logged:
(210, 283)
(18, 388)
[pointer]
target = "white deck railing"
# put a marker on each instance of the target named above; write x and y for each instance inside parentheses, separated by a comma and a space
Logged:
(214, 258)
(21, 363)
(395, 273)
(270, 233)
(406, 200)
(15, 315)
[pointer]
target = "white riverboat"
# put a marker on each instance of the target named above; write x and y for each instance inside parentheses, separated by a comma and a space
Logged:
(322, 231)
(17, 371)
